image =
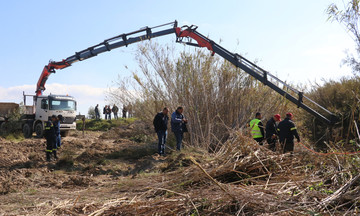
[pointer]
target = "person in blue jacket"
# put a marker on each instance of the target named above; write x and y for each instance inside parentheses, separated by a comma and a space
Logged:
(56, 123)
(178, 126)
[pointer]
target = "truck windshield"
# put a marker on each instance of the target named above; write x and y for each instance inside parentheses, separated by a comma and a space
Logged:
(62, 105)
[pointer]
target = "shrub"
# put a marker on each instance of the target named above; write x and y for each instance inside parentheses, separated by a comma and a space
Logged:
(102, 125)
(91, 113)
(11, 129)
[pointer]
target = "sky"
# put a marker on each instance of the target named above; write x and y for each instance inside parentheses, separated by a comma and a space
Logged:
(291, 39)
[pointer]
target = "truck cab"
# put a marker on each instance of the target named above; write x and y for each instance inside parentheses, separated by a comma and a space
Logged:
(45, 107)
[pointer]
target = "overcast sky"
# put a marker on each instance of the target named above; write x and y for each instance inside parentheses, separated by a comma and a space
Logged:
(292, 39)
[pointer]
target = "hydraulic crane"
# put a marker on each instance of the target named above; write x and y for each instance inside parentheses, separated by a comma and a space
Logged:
(190, 32)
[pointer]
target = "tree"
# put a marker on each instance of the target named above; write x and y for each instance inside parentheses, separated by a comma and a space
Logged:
(91, 113)
(349, 17)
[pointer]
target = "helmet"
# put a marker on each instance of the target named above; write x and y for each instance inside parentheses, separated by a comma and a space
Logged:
(277, 117)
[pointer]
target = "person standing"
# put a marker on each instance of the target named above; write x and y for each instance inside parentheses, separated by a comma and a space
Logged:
(271, 131)
(97, 114)
(257, 128)
(108, 112)
(56, 124)
(50, 137)
(105, 112)
(160, 124)
(124, 111)
(287, 131)
(178, 124)
(115, 110)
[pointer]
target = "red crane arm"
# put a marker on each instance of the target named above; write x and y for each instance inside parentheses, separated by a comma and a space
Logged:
(200, 39)
(48, 69)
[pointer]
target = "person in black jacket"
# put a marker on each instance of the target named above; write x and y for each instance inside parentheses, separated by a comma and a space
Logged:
(271, 132)
(50, 136)
(97, 113)
(287, 131)
(160, 123)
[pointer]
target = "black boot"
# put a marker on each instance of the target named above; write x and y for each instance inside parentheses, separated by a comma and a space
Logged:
(48, 156)
(55, 156)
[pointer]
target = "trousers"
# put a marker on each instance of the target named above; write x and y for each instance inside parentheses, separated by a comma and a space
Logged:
(179, 135)
(162, 141)
(287, 146)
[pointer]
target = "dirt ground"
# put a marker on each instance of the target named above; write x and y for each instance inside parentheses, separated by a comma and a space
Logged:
(90, 171)
(119, 173)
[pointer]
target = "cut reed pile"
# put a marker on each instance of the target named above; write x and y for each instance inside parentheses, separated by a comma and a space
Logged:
(243, 178)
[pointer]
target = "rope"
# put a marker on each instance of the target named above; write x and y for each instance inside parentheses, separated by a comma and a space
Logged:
(330, 153)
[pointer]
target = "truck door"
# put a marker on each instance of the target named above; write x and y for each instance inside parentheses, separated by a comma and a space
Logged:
(42, 110)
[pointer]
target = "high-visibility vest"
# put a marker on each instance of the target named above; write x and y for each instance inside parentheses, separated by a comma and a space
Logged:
(255, 129)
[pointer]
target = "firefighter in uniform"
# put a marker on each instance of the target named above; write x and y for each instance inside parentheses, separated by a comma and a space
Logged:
(287, 131)
(271, 131)
(50, 137)
(257, 128)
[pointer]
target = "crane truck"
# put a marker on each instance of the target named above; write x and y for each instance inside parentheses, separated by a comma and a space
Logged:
(33, 117)
(47, 105)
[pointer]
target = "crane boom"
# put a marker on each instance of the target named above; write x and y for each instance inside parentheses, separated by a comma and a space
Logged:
(106, 45)
(295, 96)
(237, 60)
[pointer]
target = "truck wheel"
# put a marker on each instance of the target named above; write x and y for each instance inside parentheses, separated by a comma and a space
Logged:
(39, 130)
(2, 126)
(64, 133)
(27, 131)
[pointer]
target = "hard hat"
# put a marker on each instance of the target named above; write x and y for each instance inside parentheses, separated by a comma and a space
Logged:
(289, 114)
(277, 117)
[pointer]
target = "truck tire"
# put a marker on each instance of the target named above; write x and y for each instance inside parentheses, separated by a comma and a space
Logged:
(2, 126)
(39, 130)
(64, 133)
(27, 130)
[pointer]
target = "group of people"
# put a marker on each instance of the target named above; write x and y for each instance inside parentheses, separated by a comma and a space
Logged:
(52, 136)
(275, 130)
(178, 127)
(108, 110)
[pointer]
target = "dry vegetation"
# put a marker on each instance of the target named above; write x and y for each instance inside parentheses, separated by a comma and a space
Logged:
(114, 169)
(106, 173)
(216, 95)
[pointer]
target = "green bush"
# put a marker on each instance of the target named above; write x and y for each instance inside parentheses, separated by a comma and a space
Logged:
(102, 125)
(12, 128)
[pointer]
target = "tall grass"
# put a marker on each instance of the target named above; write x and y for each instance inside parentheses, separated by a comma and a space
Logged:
(216, 95)
(343, 99)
